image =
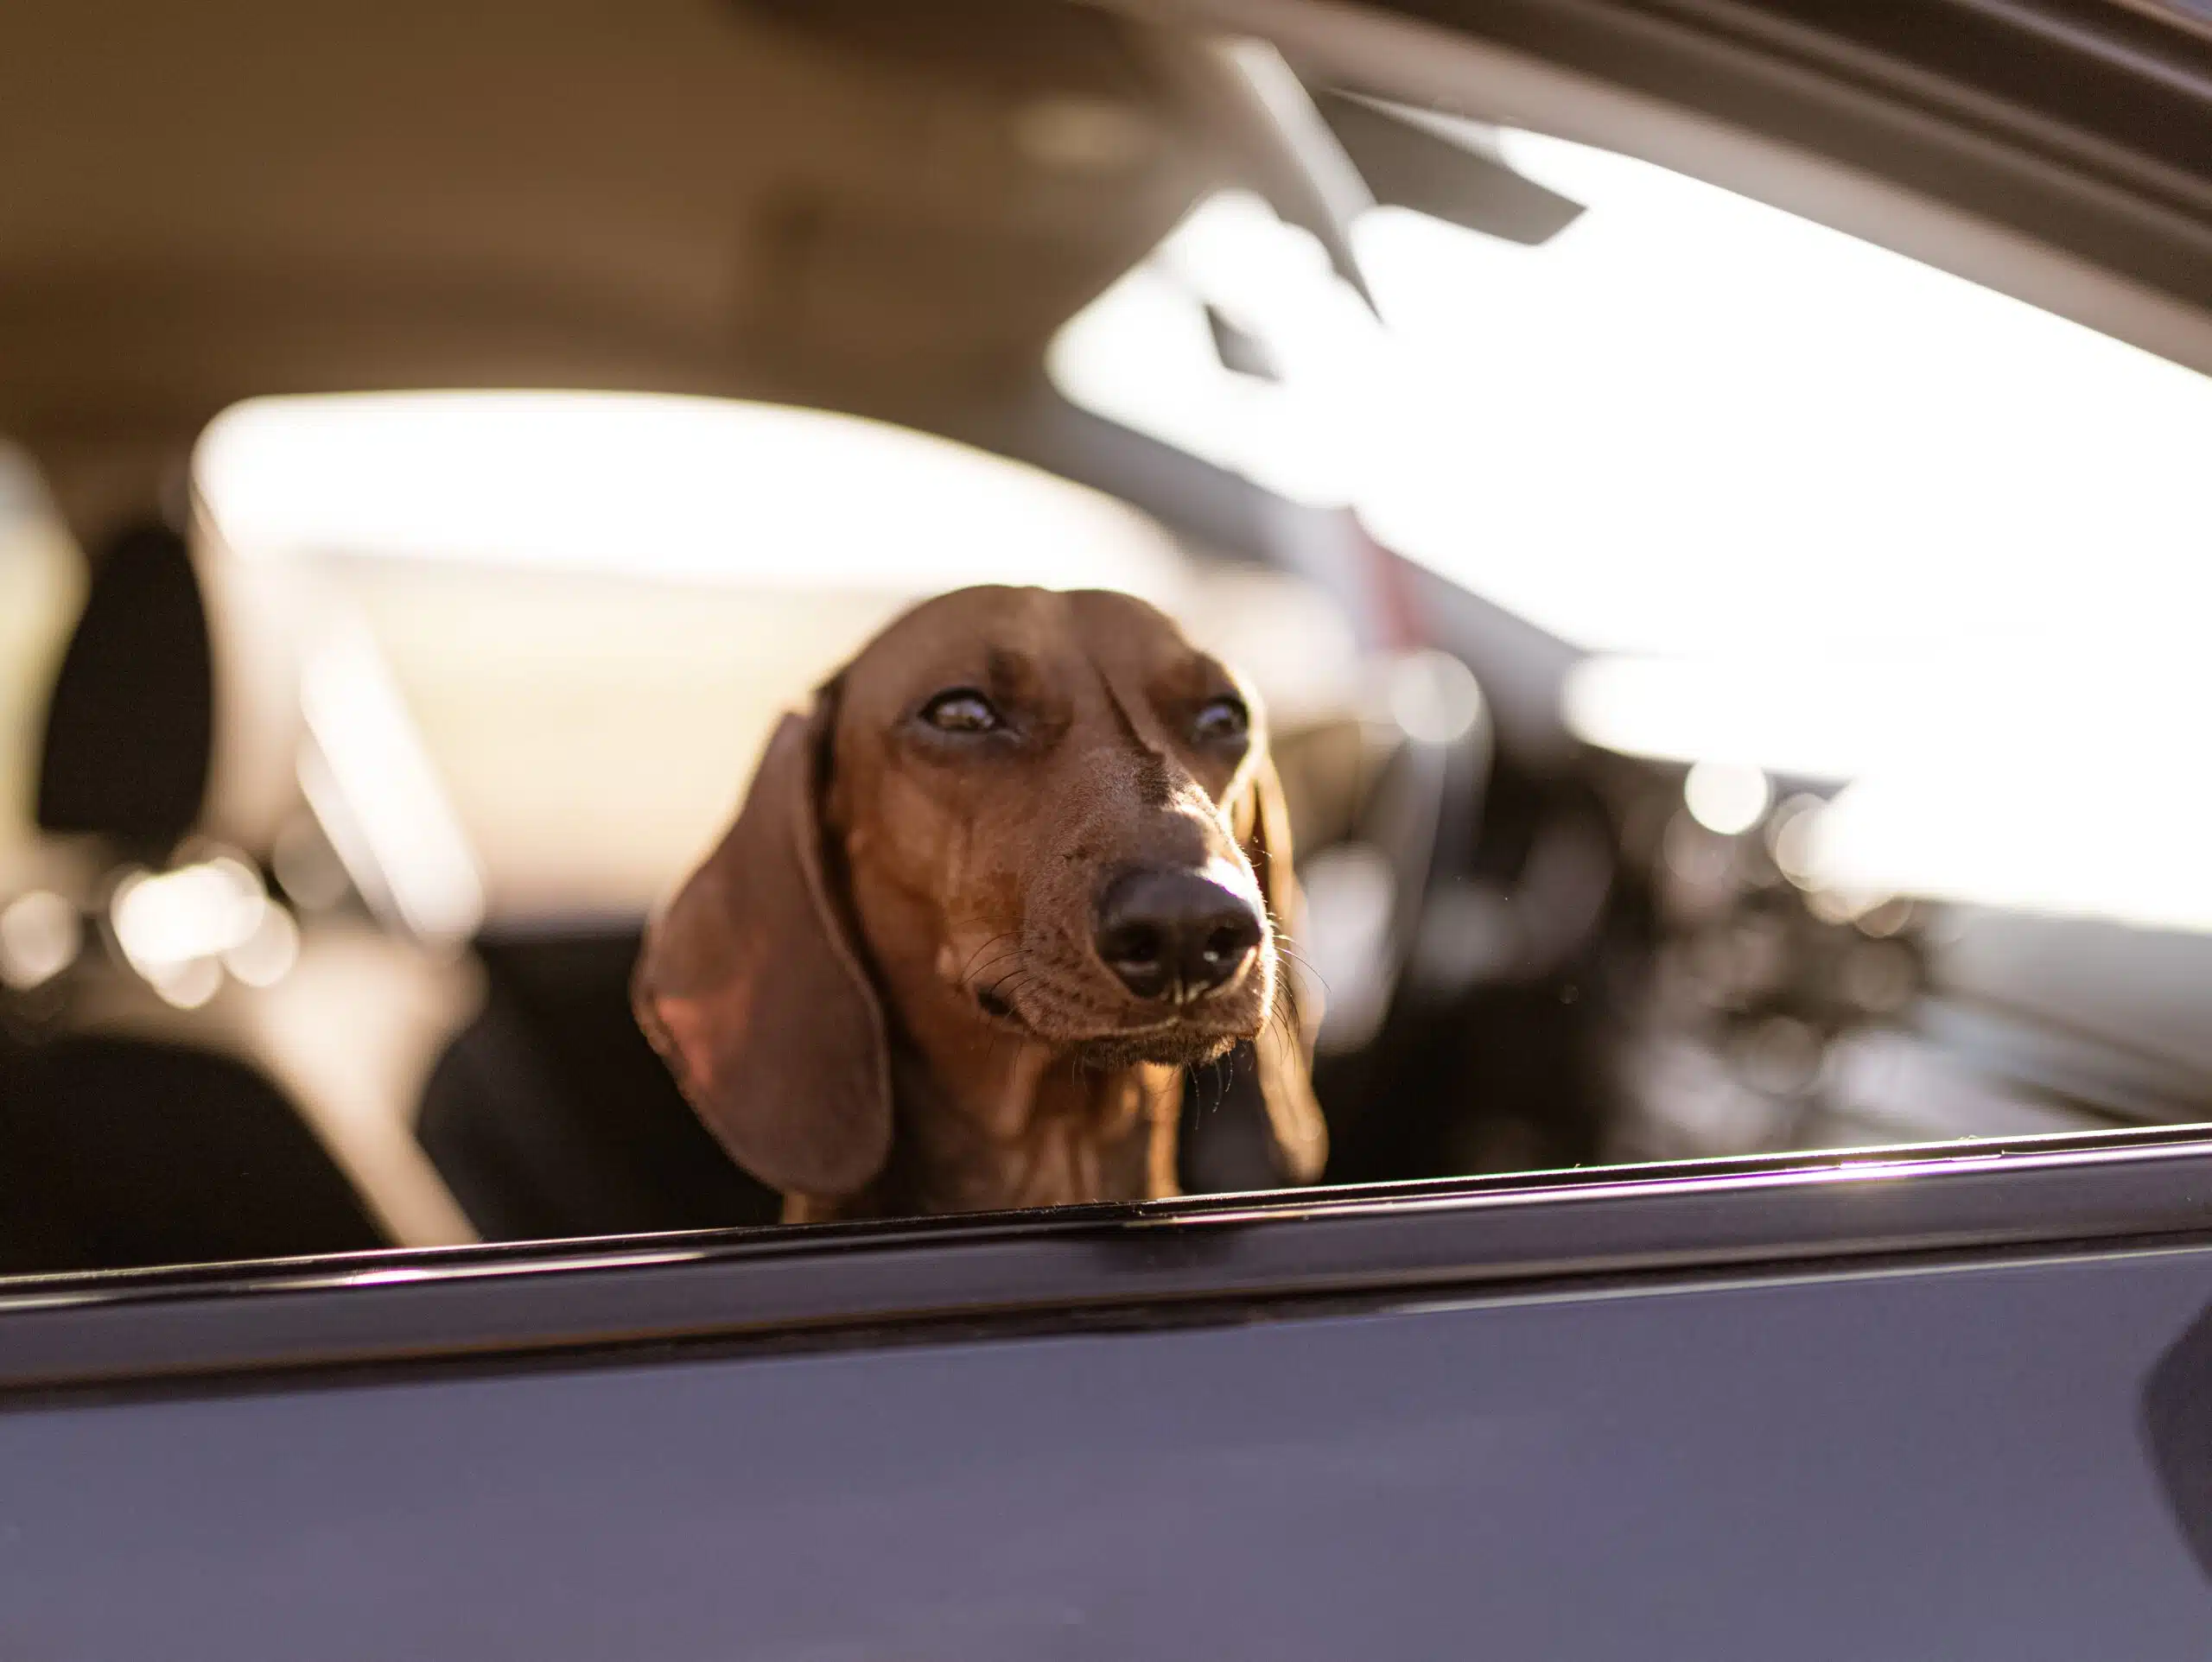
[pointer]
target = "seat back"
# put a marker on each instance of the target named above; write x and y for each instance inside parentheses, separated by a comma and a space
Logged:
(550, 1115)
(120, 1151)
(117, 1153)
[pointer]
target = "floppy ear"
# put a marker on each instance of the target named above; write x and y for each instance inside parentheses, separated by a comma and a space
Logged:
(750, 988)
(1283, 1052)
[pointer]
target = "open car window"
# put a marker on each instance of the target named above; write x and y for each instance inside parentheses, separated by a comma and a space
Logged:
(1890, 573)
(1730, 684)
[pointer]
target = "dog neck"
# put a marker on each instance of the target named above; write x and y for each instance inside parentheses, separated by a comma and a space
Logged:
(1012, 1125)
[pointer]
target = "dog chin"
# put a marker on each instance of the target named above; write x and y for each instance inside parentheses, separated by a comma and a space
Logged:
(1171, 1047)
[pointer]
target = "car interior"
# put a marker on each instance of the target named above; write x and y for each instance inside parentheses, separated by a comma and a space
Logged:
(436, 451)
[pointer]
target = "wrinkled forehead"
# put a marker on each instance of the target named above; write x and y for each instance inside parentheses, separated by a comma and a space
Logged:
(1019, 641)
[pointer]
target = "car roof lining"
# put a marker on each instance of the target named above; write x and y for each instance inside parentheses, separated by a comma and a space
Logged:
(708, 198)
(816, 203)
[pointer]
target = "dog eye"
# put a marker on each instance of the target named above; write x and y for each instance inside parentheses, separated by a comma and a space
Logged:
(1220, 719)
(961, 710)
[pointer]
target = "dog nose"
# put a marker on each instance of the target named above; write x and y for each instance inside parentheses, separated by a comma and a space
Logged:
(1175, 935)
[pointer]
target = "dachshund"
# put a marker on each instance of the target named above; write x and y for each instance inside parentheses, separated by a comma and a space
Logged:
(1024, 864)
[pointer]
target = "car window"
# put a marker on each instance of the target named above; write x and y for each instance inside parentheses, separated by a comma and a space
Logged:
(1892, 573)
(591, 610)
(1725, 686)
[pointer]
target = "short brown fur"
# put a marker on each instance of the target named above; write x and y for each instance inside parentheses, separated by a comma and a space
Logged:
(881, 989)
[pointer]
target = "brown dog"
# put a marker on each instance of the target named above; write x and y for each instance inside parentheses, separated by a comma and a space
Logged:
(1022, 865)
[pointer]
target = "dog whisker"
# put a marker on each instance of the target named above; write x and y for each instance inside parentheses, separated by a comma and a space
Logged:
(990, 942)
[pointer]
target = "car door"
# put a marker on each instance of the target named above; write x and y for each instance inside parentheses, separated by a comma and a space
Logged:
(1934, 1404)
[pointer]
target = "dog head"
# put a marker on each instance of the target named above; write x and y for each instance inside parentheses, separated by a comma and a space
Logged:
(1017, 817)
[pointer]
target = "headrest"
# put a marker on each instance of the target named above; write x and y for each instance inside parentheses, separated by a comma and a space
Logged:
(129, 730)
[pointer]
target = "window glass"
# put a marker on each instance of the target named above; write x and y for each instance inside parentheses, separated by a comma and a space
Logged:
(1900, 579)
(1723, 686)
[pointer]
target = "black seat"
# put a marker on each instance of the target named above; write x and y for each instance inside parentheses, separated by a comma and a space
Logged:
(130, 727)
(550, 1115)
(121, 1152)
(117, 1153)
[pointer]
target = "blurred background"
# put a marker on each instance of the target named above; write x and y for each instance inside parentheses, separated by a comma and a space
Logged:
(1736, 687)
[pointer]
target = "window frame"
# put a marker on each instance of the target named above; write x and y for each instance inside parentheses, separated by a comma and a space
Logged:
(1219, 1259)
